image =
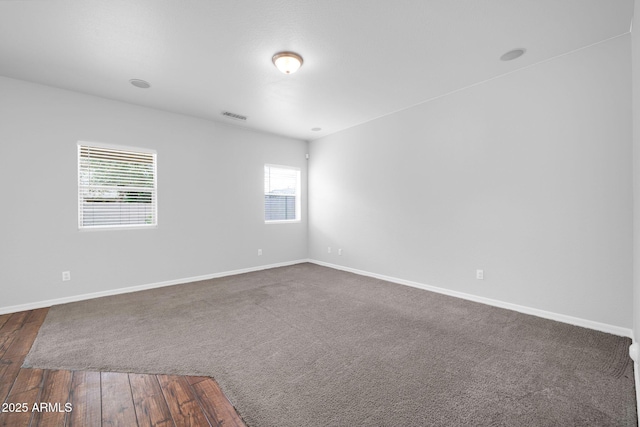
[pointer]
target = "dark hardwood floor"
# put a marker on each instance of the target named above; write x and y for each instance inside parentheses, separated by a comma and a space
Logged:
(79, 398)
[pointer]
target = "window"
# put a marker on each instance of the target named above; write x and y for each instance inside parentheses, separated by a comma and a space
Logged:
(281, 194)
(116, 187)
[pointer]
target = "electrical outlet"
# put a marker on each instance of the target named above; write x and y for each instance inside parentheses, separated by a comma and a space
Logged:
(480, 274)
(329, 250)
(259, 252)
(66, 276)
(340, 251)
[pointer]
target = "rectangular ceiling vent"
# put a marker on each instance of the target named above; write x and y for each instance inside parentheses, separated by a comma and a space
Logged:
(234, 116)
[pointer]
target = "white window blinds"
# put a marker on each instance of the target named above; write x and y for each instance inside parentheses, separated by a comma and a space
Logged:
(281, 193)
(116, 187)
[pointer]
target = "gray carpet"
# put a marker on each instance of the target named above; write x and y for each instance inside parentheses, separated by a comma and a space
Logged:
(311, 346)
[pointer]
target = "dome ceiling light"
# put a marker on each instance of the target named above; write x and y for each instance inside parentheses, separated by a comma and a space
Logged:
(140, 83)
(513, 54)
(287, 62)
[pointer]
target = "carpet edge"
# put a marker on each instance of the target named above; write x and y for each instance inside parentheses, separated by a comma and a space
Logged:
(563, 318)
(136, 288)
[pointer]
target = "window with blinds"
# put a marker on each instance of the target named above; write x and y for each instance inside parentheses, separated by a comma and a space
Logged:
(116, 187)
(281, 194)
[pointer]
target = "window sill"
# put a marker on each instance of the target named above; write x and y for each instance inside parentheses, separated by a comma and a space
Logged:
(117, 228)
(283, 221)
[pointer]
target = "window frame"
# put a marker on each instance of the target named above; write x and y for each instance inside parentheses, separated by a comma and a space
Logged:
(298, 195)
(141, 150)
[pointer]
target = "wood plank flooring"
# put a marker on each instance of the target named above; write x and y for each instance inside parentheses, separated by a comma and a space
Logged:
(43, 397)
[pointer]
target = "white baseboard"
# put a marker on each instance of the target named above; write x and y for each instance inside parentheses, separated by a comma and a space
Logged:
(74, 298)
(590, 324)
(603, 327)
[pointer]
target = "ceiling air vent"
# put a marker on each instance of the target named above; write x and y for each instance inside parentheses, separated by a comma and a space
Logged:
(234, 116)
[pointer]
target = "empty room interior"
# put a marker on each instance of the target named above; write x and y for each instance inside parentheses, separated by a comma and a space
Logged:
(297, 213)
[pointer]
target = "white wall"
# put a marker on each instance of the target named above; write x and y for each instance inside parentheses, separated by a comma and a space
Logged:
(635, 35)
(527, 176)
(635, 67)
(210, 194)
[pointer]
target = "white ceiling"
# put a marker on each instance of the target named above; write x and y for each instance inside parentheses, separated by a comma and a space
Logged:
(362, 58)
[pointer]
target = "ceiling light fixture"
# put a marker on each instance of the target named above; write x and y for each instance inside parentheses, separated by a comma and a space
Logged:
(287, 62)
(140, 83)
(513, 54)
